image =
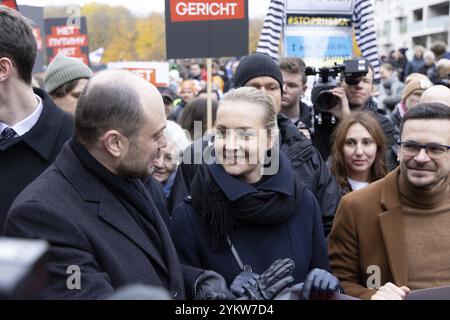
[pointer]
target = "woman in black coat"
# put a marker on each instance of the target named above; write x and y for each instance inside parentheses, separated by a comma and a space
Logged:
(242, 214)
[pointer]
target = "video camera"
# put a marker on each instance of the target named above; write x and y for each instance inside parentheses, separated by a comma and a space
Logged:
(352, 71)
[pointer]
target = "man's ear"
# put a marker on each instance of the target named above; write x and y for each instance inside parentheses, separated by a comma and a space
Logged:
(115, 143)
(304, 88)
(6, 68)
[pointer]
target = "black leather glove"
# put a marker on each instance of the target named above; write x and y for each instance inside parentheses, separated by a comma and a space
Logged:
(243, 280)
(276, 278)
(319, 284)
(211, 286)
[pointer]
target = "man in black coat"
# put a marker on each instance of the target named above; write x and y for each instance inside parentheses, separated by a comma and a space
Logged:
(32, 128)
(103, 226)
(261, 72)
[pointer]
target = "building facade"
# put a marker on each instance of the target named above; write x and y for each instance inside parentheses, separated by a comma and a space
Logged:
(406, 23)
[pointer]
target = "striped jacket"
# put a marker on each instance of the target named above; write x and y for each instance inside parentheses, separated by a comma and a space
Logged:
(363, 22)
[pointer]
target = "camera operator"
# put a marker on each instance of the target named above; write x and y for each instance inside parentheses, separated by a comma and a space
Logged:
(349, 98)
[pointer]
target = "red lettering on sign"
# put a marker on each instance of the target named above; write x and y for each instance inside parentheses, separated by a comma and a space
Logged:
(198, 10)
(147, 74)
(67, 41)
(9, 3)
(68, 52)
(65, 30)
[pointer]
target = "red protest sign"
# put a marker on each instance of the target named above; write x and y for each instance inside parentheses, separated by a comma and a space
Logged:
(197, 10)
(9, 3)
(67, 39)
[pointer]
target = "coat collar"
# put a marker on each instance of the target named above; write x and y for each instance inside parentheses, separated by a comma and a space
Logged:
(42, 137)
(235, 189)
(72, 169)
(91, 190)
(391, 224)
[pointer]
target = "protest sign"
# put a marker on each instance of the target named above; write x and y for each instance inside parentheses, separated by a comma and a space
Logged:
(68, 39)
(206, 28)
(9, 3)
(156, 73)
(319, 32)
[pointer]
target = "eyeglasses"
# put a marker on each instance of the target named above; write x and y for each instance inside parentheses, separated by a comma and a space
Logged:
(434, 150)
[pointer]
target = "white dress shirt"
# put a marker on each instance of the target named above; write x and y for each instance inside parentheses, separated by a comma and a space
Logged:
(26, 124)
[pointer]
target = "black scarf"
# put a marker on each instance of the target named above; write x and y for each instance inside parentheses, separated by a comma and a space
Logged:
(135, 199)
(259, 204)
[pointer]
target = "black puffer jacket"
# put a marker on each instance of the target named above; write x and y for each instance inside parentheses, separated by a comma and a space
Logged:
(305, 160)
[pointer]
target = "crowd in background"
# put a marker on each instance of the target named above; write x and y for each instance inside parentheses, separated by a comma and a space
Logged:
(125, 199)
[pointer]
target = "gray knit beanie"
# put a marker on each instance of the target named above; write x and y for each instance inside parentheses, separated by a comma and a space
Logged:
(63, 70)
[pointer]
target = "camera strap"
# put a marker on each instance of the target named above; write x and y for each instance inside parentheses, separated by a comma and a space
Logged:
(238, 258)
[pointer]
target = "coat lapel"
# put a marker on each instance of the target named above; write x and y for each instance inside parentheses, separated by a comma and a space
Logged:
(391, 224)
(111, 211)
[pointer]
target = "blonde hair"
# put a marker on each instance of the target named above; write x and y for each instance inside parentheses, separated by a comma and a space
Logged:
(255, 96)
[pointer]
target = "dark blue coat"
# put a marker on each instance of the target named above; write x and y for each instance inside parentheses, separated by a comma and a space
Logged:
(299, 238)
(87, 226)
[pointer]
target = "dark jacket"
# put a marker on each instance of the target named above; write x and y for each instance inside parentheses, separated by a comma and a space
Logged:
(305, 115)
(23, 158)
(175, 115)
(392, 151)
(323, 131)
(258, 244)
(87, 226)
(304, 158)
(414, 66)
(396, 119)
(429, 71)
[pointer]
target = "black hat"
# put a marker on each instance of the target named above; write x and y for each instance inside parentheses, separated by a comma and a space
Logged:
(167, 94)
(256, 65)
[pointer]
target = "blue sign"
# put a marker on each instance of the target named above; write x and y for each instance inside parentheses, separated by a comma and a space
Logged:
(319, 46)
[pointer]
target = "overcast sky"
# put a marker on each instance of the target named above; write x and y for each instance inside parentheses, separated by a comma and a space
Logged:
(256, 7)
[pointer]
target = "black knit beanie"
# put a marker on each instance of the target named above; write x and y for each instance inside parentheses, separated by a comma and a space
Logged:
(256, 65)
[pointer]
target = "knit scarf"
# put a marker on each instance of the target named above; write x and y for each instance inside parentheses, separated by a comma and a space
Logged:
(258, 205)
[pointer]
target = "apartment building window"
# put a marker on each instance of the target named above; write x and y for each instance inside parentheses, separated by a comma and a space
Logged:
(437, 10)
(387, 29)
(420, 41)
(418, 15)
(402, 25)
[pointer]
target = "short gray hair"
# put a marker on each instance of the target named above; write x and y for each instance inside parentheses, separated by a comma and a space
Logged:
(175, 132)
(107, 106)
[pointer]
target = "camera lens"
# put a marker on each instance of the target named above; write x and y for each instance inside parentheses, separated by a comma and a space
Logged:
(326, 100)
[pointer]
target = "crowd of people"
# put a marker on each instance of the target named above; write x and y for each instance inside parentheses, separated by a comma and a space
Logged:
(127, 182)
